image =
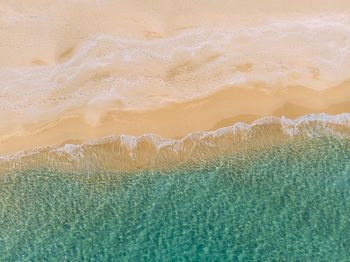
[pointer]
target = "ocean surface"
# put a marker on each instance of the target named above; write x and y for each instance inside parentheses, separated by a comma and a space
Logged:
(289, 201)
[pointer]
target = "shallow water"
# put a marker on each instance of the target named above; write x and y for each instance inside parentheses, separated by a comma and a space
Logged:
(287, 202)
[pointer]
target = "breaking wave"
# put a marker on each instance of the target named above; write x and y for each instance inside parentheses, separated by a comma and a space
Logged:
(152, 151)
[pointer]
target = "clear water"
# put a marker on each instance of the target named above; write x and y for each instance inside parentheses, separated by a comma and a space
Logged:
(290, 202)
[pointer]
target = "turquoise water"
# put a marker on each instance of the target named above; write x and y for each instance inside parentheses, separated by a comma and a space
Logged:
(289, 202)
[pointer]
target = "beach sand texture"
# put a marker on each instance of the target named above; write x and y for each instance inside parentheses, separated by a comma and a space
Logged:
(72, 71)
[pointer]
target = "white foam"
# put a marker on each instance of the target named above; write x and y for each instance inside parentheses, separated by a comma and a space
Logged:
(129, 141)
(312, 125)
(314, 52)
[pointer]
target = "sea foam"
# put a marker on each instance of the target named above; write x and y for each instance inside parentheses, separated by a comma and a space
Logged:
(152, 151)
(113, 72)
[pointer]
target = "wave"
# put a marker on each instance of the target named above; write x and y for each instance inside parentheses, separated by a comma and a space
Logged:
(152, 151)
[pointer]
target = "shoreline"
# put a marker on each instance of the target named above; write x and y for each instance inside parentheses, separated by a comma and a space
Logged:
(147, 152)
(222, 108)
(69, 75)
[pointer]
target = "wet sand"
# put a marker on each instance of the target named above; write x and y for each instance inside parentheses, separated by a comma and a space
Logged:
(223, 108)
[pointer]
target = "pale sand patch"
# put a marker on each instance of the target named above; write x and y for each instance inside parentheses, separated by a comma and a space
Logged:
(46, 32)
(223, 108)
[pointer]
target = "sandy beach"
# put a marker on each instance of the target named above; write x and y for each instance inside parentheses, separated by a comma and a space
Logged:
(73, 71)
(223, 108)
